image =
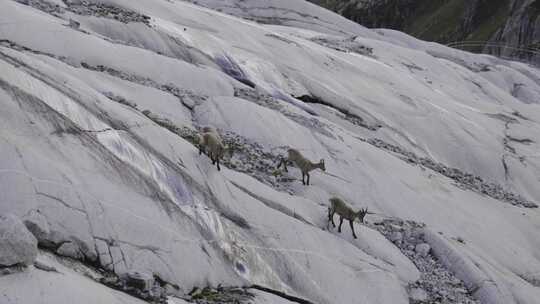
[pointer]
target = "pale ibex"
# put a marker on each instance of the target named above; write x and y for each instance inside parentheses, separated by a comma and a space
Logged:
(304, 164)
(201, 141)
(210, 140)
(345, 212)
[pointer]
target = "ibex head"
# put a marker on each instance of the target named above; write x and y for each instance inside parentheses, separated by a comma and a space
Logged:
(321, 165)
(361, 214)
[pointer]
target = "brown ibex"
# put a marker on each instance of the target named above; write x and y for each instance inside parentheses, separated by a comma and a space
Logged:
(345, 212)
(304, 164)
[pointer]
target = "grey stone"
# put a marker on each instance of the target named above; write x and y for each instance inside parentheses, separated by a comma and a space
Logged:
(396, 237)
(138, 280)
(74, 24)
(423, 249)
(418, 295)
(44, 267)
(17, 244)
(38, 225)
(70, 250)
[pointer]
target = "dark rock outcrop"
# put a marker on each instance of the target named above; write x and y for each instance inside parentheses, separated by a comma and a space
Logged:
(506, 28)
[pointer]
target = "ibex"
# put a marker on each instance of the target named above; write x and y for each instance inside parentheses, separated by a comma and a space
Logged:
(345, 212)
(304, 164)
(211, 141)
(201, 141)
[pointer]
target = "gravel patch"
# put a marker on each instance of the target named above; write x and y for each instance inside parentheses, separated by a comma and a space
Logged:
(436, 284)
(463, 180)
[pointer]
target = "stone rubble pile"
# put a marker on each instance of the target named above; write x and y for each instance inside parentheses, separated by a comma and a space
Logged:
(344, 45)
(141, 285)
(88, 8)
(464, 180)
(225, 295)
(436, 283)
(104, 10)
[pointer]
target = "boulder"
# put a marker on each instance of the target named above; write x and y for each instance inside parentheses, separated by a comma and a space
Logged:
(18, 246)
(70, 250)
(38, 225)
(396, 237)
(422, 249)
(42, 266)
(418, 295)
(138, 280)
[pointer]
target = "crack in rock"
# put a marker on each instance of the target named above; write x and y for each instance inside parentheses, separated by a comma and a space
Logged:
(59, 200)
(347, 115)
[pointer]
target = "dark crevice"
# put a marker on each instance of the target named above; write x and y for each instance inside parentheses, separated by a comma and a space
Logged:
(505, 167)
(525, 141)
(231, 68)
(519, 115)
(281, 294)
(353, 118)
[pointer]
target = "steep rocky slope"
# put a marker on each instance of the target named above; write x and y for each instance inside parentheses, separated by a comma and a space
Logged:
(508, 28)
(100, 104)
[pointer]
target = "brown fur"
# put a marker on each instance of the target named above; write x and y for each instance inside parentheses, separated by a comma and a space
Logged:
(304, 164)
(338, 206)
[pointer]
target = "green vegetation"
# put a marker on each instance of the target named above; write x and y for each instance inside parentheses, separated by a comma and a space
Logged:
(442, 21)
(491, 24)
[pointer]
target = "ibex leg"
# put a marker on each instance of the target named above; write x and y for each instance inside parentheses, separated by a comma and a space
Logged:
(352, 228)
(331, 217)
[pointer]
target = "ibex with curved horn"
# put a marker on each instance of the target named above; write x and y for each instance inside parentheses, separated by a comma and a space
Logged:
(338, 206)
(304, 164)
